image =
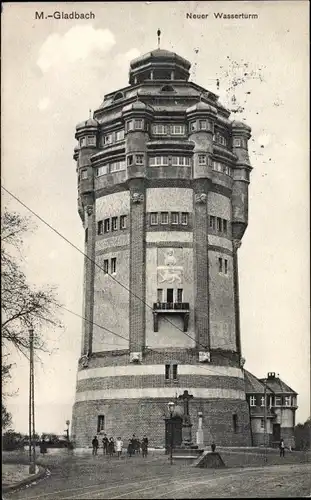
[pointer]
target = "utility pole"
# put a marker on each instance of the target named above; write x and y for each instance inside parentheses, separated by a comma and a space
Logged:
(265, 420)
(32, 443)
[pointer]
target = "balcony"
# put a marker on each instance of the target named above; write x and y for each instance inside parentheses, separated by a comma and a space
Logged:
(181, 308)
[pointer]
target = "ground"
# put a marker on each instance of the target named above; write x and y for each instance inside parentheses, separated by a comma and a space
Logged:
(247, 475)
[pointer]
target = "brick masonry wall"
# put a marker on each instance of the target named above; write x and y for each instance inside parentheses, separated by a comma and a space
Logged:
(146, 416)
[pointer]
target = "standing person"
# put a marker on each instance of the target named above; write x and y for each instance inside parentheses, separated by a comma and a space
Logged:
(119, 445)
(134, 444)
(130, 448)
(111, 449)
(105, 442)
(213, 446)
(95, 445)
(282, 448)
(144, 445)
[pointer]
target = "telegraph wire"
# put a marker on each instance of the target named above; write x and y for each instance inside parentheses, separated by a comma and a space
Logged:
(99, 267)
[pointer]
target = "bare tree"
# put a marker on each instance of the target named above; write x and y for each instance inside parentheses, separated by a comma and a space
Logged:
(23, 306)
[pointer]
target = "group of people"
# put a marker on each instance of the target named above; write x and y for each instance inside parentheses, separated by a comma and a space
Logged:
(110, 447)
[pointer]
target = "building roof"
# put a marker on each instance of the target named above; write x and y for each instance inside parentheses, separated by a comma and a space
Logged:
(278, 386)
(87, 123)
(253, 385)
(159, 54)
(202, 106)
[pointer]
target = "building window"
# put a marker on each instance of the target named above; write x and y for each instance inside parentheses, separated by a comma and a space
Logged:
(202, 159)
(130, 160)
(106, 266)
(219, 224)
(217, 166)
(139, 159)
(179, 294)
(212, 221)
(184, 218)
(170, 295)
(129, 125)
(278, 401)
(119, 135)
(177, 129)
(167, 372)
(226, 170)
(113, 265)
(287, 401)
(252, 401)
(181, 160)
(106, 225)
(102, 170)
(91, 140)
(236, 143)
(220, 139)
(84, 174)
(159, 129)
(114, 223)
(224, 226)
(226, 266)
(174, 217)
(235, 422)
(203, 125)
(164, 218)
(262, 423)
(82, 142)
(116, 166)
(108, 139)
(193, 126)
(219, 264)
(270, 401)
(171, 372)
(262, 401)
(154, 218)
(100, 227)
(100, 423)
(138, 125)
(86, 235)
(123, 222)
(175, 372)
(160, 295)
(158, 161)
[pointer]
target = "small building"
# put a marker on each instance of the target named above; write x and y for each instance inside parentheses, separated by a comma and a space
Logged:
(281, 403)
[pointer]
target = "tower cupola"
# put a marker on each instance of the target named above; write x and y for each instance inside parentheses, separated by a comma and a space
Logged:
(159, 64)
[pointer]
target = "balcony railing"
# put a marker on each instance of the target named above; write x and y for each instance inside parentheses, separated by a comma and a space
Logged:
(182, 308)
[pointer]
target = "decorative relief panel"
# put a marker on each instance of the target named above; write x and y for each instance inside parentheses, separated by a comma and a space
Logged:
(168, 270)
(137, 198)
(201, 198)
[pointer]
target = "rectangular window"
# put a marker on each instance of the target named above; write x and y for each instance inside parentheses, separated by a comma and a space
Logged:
(102, 170)
(123, 222)
(262, 401)
(154, 218)
(106, 266)
(119, 135)
(116, 166)
(236, 143)
(203, 125)
(138, 124)
(82, 142)
(174, 217)
(91, 140)
(129, 125)
(202, 159)
(167, 372)
(212, 221)
(179, 294)
(252, 401)
(164, 218)
(219, 224)
(175, 372)
(287, 401)
(130, 160)
(169, 295)
(114, 223)
(226, 266)
(262, 423)
(160, 295)
(86, 235)
(235, 422)
(113, 265)
(84, 174)
(184, 218)
(224, 226)
(106, 225)
(220, 265)
(193, 126)
(108, 139)
(227, 170)
(139, 159)
(278, 401)
(177, 129)
(100, 227)
(100, 423)
(159, 129)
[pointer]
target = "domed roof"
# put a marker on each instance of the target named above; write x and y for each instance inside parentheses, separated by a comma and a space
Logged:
(91, 122)
(136, 106)
(159, 54)
(76, 149)
(238, 124)
(201, 106)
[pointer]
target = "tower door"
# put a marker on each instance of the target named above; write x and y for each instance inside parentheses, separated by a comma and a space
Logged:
(173, 432)
(170, 295)
(276, 432)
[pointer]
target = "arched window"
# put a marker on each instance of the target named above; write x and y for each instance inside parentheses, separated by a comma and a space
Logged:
(167, 88)
(118, 95)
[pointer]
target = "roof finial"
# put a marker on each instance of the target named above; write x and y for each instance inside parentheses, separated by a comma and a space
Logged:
(159, 37)
(90, 113)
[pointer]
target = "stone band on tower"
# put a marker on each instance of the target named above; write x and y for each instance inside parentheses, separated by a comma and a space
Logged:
(163, 177)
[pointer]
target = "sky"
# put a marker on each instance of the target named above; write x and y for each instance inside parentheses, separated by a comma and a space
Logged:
(55, 71)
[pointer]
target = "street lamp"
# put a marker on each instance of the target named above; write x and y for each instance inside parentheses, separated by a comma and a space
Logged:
(171, 405)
